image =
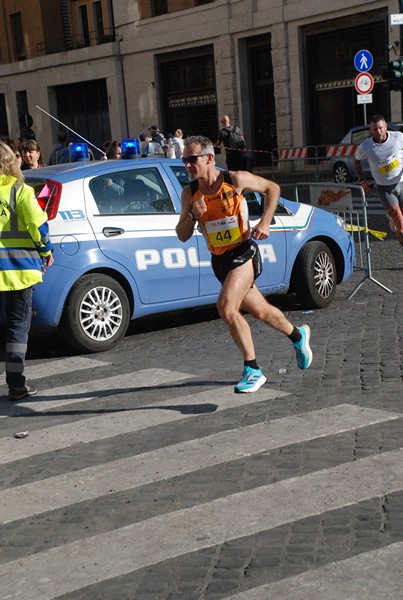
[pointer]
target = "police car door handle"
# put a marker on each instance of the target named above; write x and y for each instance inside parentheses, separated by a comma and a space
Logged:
(112, 231)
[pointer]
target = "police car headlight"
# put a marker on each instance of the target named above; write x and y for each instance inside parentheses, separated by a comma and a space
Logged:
(340, 222)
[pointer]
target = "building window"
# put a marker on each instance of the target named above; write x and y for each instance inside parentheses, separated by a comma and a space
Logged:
(18, 37)
(159, 7)
(111, 19)
(84, 27)
(98, 20)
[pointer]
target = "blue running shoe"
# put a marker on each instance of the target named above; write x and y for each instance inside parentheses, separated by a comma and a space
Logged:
(251, 381)
(302, 348)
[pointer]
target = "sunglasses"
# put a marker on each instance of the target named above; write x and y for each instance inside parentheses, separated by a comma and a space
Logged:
(192, 158)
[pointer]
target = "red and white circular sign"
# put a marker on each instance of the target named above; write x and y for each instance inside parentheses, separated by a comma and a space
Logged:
(364, 83)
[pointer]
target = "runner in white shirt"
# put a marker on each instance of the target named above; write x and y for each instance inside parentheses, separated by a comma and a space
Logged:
(384, 152)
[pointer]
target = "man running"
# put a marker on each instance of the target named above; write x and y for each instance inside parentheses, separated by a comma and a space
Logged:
(214, 199)
(384, 152)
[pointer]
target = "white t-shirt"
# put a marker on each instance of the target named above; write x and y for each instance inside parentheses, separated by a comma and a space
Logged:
(385, 159)
(178, 145)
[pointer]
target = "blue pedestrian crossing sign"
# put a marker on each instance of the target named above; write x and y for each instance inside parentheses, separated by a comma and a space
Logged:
(363, 61)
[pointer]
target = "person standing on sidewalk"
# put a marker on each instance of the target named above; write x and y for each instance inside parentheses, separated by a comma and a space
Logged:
(214, 199)
(234, 157)
(156, 135)
(25, 252)
(384, 152)
(31, 155)
(60, 153)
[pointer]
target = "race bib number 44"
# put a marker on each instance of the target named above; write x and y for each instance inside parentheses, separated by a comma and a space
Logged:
(223, 232)
(388, 166)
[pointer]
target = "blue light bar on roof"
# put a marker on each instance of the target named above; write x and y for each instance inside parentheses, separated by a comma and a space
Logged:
(78, 152)
(130, 148)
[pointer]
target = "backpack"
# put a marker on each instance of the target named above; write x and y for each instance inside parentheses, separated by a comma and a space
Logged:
(236, 139)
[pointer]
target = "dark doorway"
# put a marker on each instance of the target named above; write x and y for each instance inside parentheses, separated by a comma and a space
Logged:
(84, 108)
(188, 92)
(261, 85)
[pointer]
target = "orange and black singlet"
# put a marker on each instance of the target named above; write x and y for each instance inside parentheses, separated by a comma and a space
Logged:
(225, 224)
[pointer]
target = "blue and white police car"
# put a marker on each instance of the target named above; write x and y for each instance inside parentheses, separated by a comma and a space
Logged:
(117, 256)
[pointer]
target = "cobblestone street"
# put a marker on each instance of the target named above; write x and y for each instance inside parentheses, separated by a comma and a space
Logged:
(143, 476)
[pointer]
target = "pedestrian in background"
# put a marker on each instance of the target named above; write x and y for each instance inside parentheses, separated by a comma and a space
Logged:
(177, 142)
(25, 252)
(234, 150)
(174, 144)
(113, 150)
(156, 135)
(144, 144)
(14, 147)
(60, 153)
(169, 148)
(384, 152)
(31, 155)
(215, 199)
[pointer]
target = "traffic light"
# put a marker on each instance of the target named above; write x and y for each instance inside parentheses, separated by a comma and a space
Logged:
(394, 74)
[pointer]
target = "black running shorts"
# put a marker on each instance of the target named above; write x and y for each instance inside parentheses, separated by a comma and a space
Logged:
(224, 263)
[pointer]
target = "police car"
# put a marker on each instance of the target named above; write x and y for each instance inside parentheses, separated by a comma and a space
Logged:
(117, 256)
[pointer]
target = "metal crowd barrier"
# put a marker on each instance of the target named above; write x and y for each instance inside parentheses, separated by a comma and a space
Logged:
(348, 201)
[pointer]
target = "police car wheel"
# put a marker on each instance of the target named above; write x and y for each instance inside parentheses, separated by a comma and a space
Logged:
(96, 314)
(316, 275)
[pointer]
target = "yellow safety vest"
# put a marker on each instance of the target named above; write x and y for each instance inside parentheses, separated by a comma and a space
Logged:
(24, 236)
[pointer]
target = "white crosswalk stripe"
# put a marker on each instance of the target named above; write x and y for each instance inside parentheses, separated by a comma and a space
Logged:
(100, 388)
(131, 420)
(94, 559)
(72, 364)
(343, 579)
(23, 501)
(189, 530)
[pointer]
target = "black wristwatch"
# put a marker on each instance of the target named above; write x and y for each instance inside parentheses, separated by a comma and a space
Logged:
(191, 216)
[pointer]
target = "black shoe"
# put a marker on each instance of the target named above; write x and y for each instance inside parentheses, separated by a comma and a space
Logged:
(21, 393)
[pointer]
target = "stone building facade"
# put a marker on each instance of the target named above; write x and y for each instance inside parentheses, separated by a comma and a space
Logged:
(108, 69)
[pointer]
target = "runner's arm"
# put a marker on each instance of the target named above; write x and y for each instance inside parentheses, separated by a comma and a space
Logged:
(366, 186)
(243, 180)
(358, 170)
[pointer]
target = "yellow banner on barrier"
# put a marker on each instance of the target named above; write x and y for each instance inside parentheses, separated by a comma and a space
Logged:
(378, 234)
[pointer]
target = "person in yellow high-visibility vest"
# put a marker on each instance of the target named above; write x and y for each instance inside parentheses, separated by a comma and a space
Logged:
(25, 252)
